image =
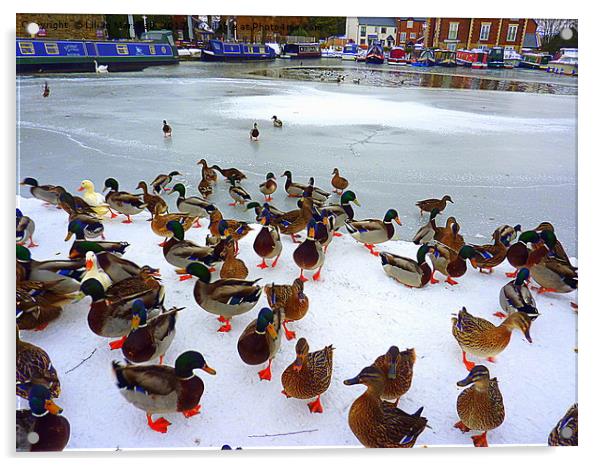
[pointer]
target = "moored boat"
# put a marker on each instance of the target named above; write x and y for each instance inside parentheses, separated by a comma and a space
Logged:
(445, 58)
(397, 56)
(361, 55)
(349, 52)
(475, 58)
(426, 58)
(375, 53)
(495, 57)
(76, 56)
(216, 50)
(535, 61)
(302, 50)
(566, 64)
(511, 58)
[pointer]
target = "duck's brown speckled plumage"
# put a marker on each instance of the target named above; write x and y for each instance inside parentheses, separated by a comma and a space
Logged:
(481, 406)
(397, 387)
(566, 432)
(313, 377)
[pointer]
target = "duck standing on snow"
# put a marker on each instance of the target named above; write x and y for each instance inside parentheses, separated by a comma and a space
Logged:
(161, 181)
(260, 341)
(516, 297)
(166, 130)
(93, 271)
(46, 92)
(277, 122)
(232, 266)
(551, 272)
(342, 211)
(480, 406)
(238, 194)
(309, 255)
(93, 199)
(339, 183)
(448, 262)
(159, 224)
(35, 367)
(228, 173)
(426, 233)
(399, 368)
(207, 172)
(121, 201)
(152, 201)
(289, 299)
(309, 375)
(254, 134)
(268, 187)
(372, 231)
(160, 389)
(267, 243)
(25, 227)
(45, 193)
(427, 205)
(411, 273)
(81, 245)
(193, 205)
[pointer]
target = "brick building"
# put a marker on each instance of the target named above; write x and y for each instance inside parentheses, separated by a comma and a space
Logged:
(268, 28)
(63, 26)
(468, 33)
(365, 30)
(410, 31)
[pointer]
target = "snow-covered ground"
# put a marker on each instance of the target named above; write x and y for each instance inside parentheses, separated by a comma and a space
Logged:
(355, 307)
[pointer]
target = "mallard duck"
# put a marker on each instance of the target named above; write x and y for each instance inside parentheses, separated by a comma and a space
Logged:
(277, 122)
(93, 271)
(552, 273)
(317, 194)
(46, 91)
(159, 389)
(81, 245)
(92, 226)
(339, 183)
(450, 234)
(64, 275)
(411, 273)
(258, 208)
(152, 201)
(480, 406)
(342, 211)
(193, 205)
(399, 369)
(159, 224)
(228, 173)
(161, 181)
(207, 173)
(309, 375)
(449, 262)
(37, 304)
(324, 228)
(149, 339)
(43, 192)
(232, 266)
(309, 255)
(205, 187)
(180, 252)
(238, 194)
(293, 189)
(254, 133)
(557, 248)
(507, 233)
(237, 229)
(110, 313)
(380, 424)
(426, 233)
(289, 299)
(123, 202)
(268, 187)
(225, 298)
(74, 205)
(34, 367)
(488, 256)
(294, 221)
(260, 341)
(25, 227)
(427, 205)
(372, 231)
(516, 297)
(93, 199)
(41, 427)
(267, 243)
(566, 432)
(482, 338)
(166, 130)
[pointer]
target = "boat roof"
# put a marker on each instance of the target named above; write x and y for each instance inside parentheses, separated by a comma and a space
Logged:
(377, 21)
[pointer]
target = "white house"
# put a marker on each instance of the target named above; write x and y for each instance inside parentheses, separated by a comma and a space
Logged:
(364, 30)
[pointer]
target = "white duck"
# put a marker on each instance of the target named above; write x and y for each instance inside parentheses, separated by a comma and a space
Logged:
(100, 68)
(93, 199)
(94, 271)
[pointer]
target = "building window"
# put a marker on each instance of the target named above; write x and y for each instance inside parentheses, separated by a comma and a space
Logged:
(402, 37)
(363, 31)
(51, 48)
(26, 48)
(376, 29)
(122, 49)
(512, 31)
(363, 41)
(453, 31)
(410, 24)
(412, 35)
(485, 28)
(383, 30)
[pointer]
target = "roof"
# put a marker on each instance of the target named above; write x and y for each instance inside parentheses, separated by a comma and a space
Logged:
(531, 41)
(418, 20)
(375, 21)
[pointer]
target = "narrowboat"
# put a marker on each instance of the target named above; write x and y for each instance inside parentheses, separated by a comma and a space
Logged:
(566, 64)
(397, 56)
(445, 58)
(302, 50)
(331, 52)
(275, 46)
(216, 50)
(511, 58)
(375, 53)
(361, 55)
(535, 61)
(495, 57)
(349, 52)
(39, 55)
(426, 58)
(475, 58)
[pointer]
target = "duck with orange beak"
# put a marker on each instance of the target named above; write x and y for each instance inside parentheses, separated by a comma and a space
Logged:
(309, 255)
(260, 341)
(372, 231)
(94, 271)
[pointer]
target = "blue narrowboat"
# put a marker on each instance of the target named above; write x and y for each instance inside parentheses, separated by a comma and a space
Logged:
(375, 53)
(427, 58)
(75, 56)
(350, 51)
(216, 50)
(304, 50)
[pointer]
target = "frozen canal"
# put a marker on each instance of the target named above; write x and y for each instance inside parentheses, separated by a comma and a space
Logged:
(504, 157)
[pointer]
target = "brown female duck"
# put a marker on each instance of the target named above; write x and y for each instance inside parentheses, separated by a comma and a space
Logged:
(232, 266)
(228, 173)
(289, 299)
(488, 256)
(34, 367)
(566, 432)
(153, 202)
(159, 223)
(399, 368)
(207, 173)
(427, 205)
(339, 183)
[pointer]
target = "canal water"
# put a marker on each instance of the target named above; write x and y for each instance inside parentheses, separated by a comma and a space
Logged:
(501, 143)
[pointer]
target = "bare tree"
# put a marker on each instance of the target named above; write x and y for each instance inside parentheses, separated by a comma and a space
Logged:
(549, 28)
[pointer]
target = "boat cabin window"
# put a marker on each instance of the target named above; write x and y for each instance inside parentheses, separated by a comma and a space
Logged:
(122, 49)
(52, 48)
(152, 50)
(26, 48)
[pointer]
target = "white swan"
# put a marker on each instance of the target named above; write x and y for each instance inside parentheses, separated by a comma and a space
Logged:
(101, 68)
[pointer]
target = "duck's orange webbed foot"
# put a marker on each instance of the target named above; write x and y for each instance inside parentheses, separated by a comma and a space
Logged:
(500, 314)
(511, 274)
(468, 364)
(266, 374)
(263, 264)
(451, 281)
(315, 406)
(160, 425)
(460, 425)
(192, 412)
(117, 343)
(226, 327)
(480, 440)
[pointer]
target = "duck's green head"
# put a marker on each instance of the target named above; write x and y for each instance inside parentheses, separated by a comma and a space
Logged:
(287, 173)
(477, 373)
(253, 205)
(40, 401)
(189, 361)
(176, 228)
(199, 271)
(265, 323)
(88, 246)
(180, 189)
(392, 215)
(175, 173)
(29, 182)
(111, 184)
(521, 276)
(349, 196)
(530, 236)
(447, 198)
(222, 228)
(549, 238)
(422, 252)
(467, 252)
(434, 213)
(269, 176)
(93, 288)
(139, 314)
(76, 227)
(23, 254)
(19, 214)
